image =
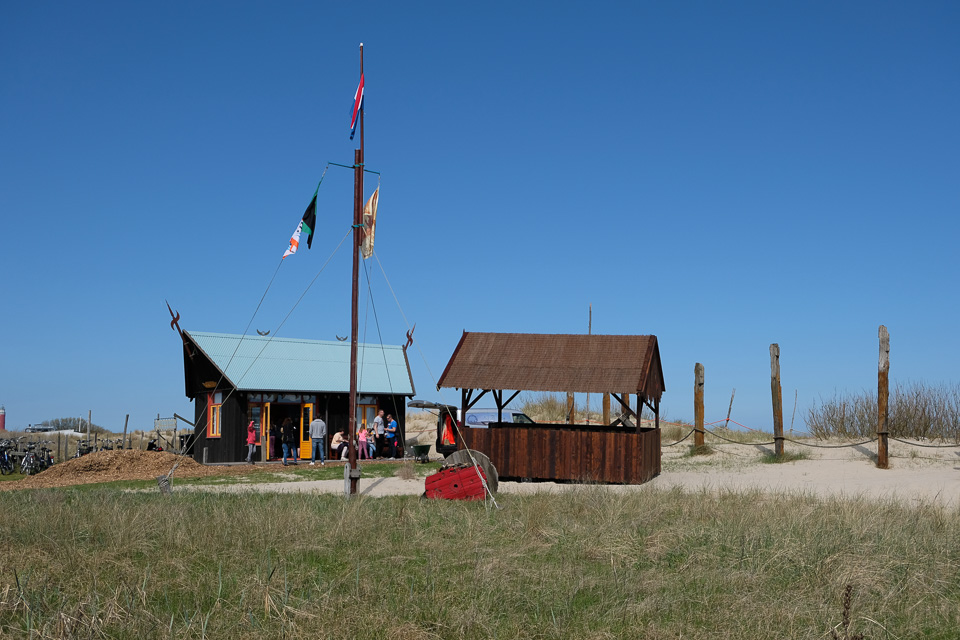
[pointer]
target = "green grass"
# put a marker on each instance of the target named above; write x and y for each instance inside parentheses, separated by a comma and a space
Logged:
(787, 456)
(588, 564)
(703, 450)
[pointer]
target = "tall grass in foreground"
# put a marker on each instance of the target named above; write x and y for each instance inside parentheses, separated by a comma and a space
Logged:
(915, 410)
(587, 564)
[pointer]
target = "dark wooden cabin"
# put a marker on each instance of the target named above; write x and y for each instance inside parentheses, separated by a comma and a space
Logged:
(233, 379)
(499, 363)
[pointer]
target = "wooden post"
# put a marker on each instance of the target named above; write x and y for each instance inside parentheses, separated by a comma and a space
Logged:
(123, 443)
(589, 333)
(89, 419)
(777, 399)
(730, 408)
(698, 405)
(796, 394)
(571, 408)
(883, 397)
(206, 451)
(59, 453)
(606, 409)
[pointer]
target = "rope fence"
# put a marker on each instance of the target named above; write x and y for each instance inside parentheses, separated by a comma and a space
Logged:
(812, 445)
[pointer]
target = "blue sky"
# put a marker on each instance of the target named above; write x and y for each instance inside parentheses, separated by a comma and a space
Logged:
(722, 175)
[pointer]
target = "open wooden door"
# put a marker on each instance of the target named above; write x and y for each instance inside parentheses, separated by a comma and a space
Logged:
(266, 443)
(306, 417)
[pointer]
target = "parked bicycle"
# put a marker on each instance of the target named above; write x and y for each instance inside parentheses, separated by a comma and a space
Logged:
(33, 461)
(6, 460)
(83, 448)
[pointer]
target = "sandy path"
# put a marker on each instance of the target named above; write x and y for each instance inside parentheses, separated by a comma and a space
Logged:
(916, 476)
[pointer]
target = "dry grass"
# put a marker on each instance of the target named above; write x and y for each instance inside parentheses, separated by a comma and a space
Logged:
(586, 564)
(915, 410)
(552, 407)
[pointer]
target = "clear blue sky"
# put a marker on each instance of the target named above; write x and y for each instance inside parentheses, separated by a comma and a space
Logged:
(723, 175)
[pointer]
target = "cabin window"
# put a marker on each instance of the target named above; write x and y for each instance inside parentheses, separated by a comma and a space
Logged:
(214, 402)
(366, 413)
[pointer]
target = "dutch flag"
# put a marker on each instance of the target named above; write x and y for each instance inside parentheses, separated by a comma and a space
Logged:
(357, 108)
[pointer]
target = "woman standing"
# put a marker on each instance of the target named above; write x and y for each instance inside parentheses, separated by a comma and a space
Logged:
(286, 438)
(251, 442)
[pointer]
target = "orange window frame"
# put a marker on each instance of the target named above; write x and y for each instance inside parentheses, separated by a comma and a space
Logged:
(213, 417)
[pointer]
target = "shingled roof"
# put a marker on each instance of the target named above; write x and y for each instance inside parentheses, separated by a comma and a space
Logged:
(559, 362)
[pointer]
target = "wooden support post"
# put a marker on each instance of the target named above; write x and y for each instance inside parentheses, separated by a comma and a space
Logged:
(589, 332)
(777, 399)
(123, 443)
(571, 408)
(206, 453)
(698, 405)
(89, 420)
(726, 425)
(606, 409)
(883, 397)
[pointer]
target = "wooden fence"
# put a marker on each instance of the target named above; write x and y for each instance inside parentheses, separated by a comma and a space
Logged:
(569, 452)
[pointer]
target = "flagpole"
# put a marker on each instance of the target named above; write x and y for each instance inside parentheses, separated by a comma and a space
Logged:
(354, 299)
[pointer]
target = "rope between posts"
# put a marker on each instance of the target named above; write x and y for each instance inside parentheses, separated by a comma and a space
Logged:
(831, 446)
(680, 440)
(749, 444)
(926, 446)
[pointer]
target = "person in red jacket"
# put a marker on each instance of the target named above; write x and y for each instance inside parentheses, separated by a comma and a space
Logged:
(251, 442)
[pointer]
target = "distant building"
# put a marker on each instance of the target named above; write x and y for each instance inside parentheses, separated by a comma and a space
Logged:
(233, 379)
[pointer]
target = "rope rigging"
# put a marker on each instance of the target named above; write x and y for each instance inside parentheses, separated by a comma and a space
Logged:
(202, 424)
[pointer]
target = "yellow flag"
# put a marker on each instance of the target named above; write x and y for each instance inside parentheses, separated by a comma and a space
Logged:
(369, 224)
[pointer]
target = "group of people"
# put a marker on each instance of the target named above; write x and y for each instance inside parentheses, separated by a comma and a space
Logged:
(379, 440)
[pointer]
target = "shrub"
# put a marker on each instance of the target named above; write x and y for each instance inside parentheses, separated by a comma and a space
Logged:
(915, 410)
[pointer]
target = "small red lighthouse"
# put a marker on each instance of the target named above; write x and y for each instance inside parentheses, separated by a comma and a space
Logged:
(3, 419)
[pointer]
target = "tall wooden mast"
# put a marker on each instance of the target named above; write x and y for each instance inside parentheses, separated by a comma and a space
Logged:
(355, 295)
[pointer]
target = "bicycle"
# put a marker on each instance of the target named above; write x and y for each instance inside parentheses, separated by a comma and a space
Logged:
(31, 463)
(83, 448)
(6, 463)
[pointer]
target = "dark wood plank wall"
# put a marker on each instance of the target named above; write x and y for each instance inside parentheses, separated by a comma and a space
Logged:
(231, 446)
(581, 453)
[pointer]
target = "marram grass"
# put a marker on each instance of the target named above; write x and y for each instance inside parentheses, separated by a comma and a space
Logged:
(586, 564)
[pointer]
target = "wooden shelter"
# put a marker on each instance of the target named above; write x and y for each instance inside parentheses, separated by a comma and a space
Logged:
(495, 363)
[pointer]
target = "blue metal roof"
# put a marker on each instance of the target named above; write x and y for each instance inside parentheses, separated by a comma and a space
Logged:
(264, 363)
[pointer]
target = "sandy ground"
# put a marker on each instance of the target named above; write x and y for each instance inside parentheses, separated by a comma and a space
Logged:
(916, 475)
